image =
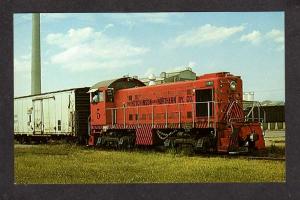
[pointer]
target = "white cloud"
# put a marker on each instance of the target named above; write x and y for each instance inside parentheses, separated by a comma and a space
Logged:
(73, 37)
(204, 34)
(276, 35)
(84, 49)
(254, 37)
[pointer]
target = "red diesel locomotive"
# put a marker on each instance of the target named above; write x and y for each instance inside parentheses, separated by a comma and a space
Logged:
(205, 114)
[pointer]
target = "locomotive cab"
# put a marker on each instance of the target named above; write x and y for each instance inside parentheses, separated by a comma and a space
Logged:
(102, 104)
(99, 114)
(101, 99)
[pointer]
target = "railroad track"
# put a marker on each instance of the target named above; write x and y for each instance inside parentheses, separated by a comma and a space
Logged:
(256, 157)
(248, 157)
(264, 158)
(230, 156)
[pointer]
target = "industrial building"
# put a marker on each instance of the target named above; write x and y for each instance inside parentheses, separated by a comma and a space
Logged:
(272, 111)
(275, 117)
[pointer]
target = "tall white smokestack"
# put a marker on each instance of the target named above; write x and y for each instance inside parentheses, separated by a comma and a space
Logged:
(36, 55)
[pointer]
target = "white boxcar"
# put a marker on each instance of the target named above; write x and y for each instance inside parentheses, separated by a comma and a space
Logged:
(52, 115)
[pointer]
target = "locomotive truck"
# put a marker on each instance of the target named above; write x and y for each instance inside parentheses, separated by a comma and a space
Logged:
(205, 114)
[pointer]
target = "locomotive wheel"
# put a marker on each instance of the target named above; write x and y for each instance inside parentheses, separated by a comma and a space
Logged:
(171, 148)
(126, 142)
(188, 149)
(44, 140)
(27, 140)
(185, 149)
(122, 144)
(251, 148)
(21, 140)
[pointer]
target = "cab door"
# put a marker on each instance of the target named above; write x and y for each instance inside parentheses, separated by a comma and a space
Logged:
(98, 109)
(111, 111)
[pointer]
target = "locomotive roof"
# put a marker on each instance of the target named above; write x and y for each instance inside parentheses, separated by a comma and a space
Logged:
(119, 83)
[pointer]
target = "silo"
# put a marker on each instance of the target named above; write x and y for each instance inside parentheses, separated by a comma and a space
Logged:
(248, 96)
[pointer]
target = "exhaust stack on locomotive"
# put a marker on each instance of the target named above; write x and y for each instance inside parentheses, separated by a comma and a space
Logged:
(205, 114)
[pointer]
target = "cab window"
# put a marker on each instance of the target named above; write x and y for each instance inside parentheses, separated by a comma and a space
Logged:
(110, 95)
(98, 97)
(101, 96)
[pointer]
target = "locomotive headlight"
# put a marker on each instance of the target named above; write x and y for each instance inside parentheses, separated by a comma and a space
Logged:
(233, 85)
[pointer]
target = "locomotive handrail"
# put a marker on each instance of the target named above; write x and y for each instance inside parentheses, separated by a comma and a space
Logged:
(231, 119)
(113, 111)
(210, 117)
(195, 102)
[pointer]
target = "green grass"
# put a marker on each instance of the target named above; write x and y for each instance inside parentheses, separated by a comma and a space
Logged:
(72, 164)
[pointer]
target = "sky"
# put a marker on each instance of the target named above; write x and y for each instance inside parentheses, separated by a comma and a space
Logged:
(79, 50)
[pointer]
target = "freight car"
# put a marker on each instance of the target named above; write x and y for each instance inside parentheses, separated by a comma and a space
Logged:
(53, 115)
(205, 114)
